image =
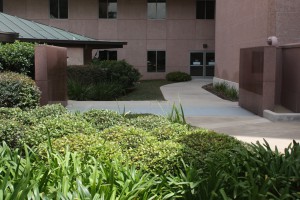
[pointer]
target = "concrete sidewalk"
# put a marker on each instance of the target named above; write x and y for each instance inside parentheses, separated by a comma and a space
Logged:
(203, 109)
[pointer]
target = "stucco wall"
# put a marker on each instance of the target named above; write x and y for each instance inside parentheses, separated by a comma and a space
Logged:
(240, 24)
(178, 35)
(248, 23)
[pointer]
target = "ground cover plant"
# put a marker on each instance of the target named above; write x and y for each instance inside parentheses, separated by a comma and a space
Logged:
(223, 90)
(49, 153)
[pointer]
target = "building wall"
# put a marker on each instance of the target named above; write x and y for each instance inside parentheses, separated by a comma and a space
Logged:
(179, 34)
(239, 24)
(248, 23)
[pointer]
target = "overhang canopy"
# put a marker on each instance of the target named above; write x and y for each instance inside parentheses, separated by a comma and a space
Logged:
(29, 31)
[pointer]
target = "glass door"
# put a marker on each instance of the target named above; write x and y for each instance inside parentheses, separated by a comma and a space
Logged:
(202, 64)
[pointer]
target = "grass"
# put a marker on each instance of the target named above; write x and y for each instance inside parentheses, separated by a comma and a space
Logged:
(146, 90)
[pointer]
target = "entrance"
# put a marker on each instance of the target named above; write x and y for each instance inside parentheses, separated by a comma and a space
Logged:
(202, 64)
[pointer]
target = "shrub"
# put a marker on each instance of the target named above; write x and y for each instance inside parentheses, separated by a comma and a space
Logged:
(178, 76)
(17, 90)
(105, 91)
(102, 119)
(143, 150)
(77, 90)
(11, 132)
(55, 127)
(149, 122)
(200, 143)
(102, 80)
(86, 74)
(119, 71)
(17, 57)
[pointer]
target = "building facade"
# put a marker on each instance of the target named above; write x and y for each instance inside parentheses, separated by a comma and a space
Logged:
(248, 23)
(162, 35)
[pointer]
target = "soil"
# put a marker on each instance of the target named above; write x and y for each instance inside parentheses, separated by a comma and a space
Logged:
(210, 88)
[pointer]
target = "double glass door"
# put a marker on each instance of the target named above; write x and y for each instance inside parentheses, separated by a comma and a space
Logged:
(202, 64)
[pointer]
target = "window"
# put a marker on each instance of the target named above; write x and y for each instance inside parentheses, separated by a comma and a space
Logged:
(107, 55)
(59, 9)
(108, 9)
(205, 9)
(156, 9)
(156, 61)
(1, 5)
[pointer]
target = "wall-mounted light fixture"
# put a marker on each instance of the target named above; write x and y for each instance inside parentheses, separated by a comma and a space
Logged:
(205, 46)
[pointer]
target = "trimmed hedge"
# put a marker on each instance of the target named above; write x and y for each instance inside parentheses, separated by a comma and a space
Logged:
(178, 76)
(18, 90)
(17, 57)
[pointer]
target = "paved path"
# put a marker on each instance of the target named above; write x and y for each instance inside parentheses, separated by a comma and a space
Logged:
(203, 109)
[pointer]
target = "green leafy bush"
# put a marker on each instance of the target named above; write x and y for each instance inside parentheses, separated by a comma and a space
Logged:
(149, 122)
(105, 91)
(17, 90)
(105, 153)
(102, 119)
(11, 132)
(178, 76)
(102, 80)
(55, 127)
(119, 71)
(87, 74)
(17, 57)
(200, 143)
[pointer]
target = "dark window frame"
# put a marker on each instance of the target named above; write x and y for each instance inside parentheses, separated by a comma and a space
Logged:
(108, 14)
(157, 15)
(59, 9)
(205, 9)
(159, 65)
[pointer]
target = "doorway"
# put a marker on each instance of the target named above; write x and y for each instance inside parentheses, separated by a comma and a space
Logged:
(202, 64)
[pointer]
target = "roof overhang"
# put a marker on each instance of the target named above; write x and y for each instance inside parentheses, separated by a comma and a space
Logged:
(95, 44)
(8, 37)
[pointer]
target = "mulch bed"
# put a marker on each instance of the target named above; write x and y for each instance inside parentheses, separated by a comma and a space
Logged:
(210, 88)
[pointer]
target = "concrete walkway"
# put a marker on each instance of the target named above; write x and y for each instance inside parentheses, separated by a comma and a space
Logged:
(203, 109)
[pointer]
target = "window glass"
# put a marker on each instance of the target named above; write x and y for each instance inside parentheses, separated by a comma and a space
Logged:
(151, 9)
(151, 62)
(210, 9)
(54, 8)
(108, 55)
(63, 9)
(156, 61)
(1, 5)
(161, 9)
(156, 9)
(205, 9)
(112, 9)
(161, 61)
(59, 9)
(108, 9)
(102, 8)
(196, 59)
